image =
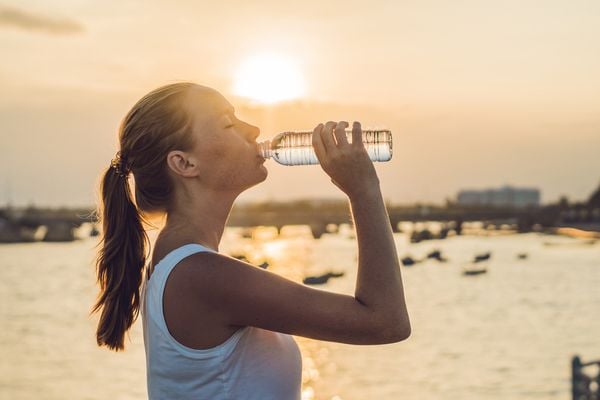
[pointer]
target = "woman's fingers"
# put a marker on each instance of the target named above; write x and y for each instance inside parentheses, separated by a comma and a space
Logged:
(324, 142)
(348, 166)
(357, 134)
(327, 137)
(340, 133)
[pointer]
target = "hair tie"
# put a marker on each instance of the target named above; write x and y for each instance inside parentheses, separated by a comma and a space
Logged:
(119, 163)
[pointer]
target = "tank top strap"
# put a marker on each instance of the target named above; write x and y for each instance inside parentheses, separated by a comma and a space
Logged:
(164, 267)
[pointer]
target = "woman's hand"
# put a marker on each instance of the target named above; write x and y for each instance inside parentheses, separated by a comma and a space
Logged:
(348, 164)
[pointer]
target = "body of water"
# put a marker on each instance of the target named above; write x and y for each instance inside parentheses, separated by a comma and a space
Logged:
(506, 334)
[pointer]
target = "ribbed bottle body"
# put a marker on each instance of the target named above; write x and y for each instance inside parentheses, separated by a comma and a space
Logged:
(295, 148)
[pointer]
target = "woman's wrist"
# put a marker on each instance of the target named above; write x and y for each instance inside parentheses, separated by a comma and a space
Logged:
(369, 193)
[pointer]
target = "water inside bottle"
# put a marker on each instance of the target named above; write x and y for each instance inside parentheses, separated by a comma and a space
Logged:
(303, 155)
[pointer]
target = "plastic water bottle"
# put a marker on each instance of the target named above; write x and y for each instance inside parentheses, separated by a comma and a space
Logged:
(295, 148)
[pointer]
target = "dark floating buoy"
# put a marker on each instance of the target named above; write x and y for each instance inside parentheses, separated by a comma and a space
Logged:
(474, 271)
(321, 279)
(482, 257)
(437, 255)
(264, 265)
(408, 261)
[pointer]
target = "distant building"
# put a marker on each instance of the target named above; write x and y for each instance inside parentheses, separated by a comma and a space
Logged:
(506, 196)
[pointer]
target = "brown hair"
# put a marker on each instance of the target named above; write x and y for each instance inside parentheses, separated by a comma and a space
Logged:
(157, 124)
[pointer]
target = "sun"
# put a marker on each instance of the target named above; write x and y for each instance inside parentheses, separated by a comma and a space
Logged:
(269, 78)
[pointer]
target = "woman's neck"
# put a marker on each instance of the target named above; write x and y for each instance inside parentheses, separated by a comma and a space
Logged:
(200, 219)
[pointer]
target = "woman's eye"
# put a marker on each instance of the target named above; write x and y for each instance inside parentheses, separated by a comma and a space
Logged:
(229, 126)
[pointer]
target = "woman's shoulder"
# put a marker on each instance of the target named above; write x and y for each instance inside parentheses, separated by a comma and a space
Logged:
(192, 318)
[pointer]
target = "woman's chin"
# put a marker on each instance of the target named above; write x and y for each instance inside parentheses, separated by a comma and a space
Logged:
(265, 172)
(261, 176)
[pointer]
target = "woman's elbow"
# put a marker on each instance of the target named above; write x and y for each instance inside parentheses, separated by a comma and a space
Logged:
(396, 333)
(401, 334)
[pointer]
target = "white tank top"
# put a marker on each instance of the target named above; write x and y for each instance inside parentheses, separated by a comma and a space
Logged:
(253, 363)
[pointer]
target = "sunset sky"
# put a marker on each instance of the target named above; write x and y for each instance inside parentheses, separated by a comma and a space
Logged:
(478, 94)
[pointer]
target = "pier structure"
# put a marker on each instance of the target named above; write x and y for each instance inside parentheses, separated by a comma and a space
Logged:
(60, 224)
(319, 217)
(585, 384)
(34, 224)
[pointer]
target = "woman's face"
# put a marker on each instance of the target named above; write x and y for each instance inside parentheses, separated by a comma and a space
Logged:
(226, 151)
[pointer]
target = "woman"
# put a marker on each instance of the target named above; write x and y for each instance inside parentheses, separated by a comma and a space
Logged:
(216, 327)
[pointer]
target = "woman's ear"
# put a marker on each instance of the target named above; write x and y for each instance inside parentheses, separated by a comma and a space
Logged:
(182, 163)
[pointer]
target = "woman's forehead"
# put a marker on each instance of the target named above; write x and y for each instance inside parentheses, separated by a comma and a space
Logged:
(208, 100)
(207, 104)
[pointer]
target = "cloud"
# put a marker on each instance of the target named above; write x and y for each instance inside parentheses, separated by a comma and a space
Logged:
(12, 17)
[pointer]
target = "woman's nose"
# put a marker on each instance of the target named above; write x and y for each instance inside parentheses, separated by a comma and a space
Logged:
(253, 132)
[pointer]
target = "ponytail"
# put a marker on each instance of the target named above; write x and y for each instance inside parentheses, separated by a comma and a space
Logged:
(120, 262)
(157, 124)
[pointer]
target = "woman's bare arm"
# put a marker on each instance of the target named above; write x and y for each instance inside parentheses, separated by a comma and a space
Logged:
(379, 282)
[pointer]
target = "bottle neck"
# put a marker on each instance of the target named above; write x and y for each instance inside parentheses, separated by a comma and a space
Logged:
(265, 149)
